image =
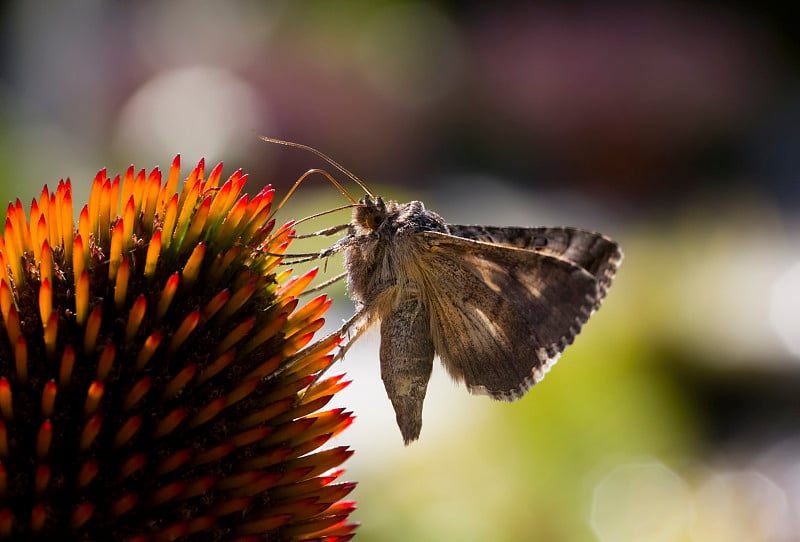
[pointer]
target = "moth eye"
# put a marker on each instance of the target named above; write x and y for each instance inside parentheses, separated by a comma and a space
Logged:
(376, 221)
(539, 242)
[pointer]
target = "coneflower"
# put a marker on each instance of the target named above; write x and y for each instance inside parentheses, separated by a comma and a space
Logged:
(146, 389)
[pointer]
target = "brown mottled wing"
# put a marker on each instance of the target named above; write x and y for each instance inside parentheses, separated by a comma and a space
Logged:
(500, 315)
(594, 252)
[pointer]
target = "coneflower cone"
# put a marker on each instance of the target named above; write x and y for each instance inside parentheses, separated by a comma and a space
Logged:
(145, 385)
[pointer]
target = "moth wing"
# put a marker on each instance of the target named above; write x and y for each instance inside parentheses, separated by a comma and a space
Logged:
(592, 251)
(500, 315)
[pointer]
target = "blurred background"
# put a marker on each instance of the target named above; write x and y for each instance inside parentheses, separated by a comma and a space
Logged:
(672, 127)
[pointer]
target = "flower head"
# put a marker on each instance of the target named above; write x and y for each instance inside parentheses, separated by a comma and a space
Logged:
(145, 389)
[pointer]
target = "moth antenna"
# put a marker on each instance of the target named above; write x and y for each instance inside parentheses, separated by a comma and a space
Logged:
(328, 159)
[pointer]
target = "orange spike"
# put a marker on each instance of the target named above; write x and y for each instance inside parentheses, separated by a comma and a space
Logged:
(220, 266)
(174, 461)
(310, 327)
(167, 294)
(204, 414)
(295, 343)
(6, 521)
(41, 230)
(128, 183)
(167, 493)
(38, 516)
(171, 186)
(67, 363)
(44, 439)
(124, 504)
(151, 198)
(85, 228)
(267, 413)
(179, 382)
(211, 308)
(138, 189)
(216, 366)
(115, 253)
(5, 299)
(221, 201)
(51, 335)
(93, 397)
(153, 253)
(90, 431)
(198, 486)
(3, 440)
(132, 465)
(128, 220)
(121, 284)
(168, 423)
(67, 222)
(83, 513)
(215, 454)
(269, 523)
(13, 252)
(238, 299)
(184, 330)
(103, 213)
(45, 300)
(12, 325)
(266, 332)
(22, 226)
(235, 335)
(6, 405)
(311, 310)
(149, 348)
(296, 286)
(230, 506)
(186, 203)
(92, 329)
(127, 431)
(193, 265)
(87, 473)
(78, 257)
(251, 436)
(3, 271)
(265, 369)
(197, 224)
(46, 264)
(135, 317)
(42, 478)
(234, 218)
(113, 198)
(170, 218)
(21, 359)
(82, 288)
(49, 398)
(213, 178)
(136, 393)
(242, 391)
(106, 361)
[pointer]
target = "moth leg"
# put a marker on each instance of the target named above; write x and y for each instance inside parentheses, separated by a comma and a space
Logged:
(325, 284)
(353, 328)
(325, 232)
(406, 362)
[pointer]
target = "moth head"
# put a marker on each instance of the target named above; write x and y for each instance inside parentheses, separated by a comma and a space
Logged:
(369, 214)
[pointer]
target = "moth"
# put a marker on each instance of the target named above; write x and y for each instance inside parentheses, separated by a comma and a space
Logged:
(498, 305)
